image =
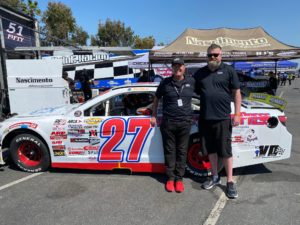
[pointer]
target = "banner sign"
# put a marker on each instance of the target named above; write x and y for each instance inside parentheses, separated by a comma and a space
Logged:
(17, 34)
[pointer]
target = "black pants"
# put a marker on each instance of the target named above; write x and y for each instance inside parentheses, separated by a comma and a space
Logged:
(175, 135)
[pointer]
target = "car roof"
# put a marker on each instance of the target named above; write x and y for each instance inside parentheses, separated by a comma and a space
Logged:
(139, 84)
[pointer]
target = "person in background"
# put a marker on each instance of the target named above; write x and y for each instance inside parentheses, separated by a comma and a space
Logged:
(216, 84)
(273, 82)
(290, 78)
(283, 78)
(176, 93)
(86, 83)
(144, 76)
(70, 81)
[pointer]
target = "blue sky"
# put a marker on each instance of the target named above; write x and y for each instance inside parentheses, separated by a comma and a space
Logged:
(167, 19)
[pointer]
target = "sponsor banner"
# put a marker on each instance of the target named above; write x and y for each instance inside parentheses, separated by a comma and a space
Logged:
(227, 41)
(17, 34)
(79, 59)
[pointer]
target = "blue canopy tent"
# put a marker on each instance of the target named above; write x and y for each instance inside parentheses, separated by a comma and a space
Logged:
(246, 66)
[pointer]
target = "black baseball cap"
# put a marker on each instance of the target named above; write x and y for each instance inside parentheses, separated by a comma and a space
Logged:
(179, 61)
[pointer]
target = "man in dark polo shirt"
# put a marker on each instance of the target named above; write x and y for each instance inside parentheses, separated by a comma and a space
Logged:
(217, 83)
(176, 93)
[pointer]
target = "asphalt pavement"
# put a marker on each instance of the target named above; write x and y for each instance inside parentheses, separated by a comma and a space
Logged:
(269, 194)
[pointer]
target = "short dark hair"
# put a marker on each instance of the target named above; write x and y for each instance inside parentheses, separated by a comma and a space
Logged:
(213, 46)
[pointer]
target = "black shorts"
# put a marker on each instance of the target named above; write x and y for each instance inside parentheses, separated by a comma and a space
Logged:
(216, 137)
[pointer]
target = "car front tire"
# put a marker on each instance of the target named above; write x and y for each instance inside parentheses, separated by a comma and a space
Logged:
(29, 153)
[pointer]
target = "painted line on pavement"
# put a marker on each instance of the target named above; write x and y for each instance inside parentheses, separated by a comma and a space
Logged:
(218, 208)
(19, 181)
(280, 96)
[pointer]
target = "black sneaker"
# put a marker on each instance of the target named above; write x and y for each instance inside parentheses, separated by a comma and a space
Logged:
(210, 183)
(231, 191)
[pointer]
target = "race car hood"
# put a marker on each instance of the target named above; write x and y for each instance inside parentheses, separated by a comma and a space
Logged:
(48, 111)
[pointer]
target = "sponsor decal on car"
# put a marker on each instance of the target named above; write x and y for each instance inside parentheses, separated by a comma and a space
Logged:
(76, 152)
(93, 133)
(237, 139)
(268, 151)
(93, 121)
(254, 118)
(75, 126)
(76, 131)
(58, 135)
(79, 140)
(57, 142)
(58, 122)
(88, 127)
(23, 125)
(91, 147)
(59, 152)
(94, 140)
(77, 113)
(59, 147)
(74, 121)
(92, 152)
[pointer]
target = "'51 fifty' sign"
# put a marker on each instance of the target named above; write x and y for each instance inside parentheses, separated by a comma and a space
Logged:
(17, 35)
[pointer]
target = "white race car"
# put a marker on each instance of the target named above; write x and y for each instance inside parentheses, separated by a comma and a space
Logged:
(113, 131)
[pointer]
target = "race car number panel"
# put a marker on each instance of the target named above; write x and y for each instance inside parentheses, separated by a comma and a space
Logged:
(118, 130)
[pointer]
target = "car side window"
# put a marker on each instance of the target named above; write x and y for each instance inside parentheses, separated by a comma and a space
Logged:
(96, 110)
(131, 104)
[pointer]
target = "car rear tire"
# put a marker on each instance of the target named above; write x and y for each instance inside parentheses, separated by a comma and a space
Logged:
(29, 153)
(197, 164)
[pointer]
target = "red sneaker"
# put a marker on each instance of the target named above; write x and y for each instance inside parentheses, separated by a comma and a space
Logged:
(179, 187)
(170, 185)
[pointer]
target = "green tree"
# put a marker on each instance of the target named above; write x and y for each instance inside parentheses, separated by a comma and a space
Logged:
(95, 40)
(15, 4)
(79, 36)
(144, 43)
(113, 33)
(30, 7)
(59, 23)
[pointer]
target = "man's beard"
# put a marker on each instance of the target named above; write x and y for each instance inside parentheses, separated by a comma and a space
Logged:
(213, 65)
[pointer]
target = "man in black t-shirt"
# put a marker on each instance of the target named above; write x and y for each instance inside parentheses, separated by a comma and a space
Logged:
(176, 93)
(216, 83)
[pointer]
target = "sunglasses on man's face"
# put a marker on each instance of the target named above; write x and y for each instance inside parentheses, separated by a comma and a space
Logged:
(210, 55)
